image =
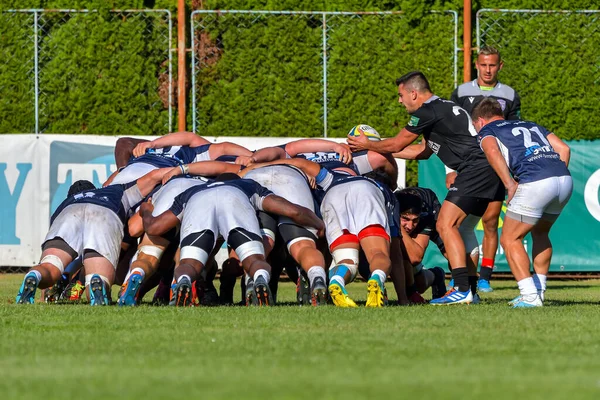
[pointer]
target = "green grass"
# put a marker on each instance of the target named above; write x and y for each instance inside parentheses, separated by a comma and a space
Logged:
(488, 351)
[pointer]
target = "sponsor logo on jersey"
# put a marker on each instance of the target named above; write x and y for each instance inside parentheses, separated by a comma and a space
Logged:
(414, 121)
(435, 147)
(502, 103)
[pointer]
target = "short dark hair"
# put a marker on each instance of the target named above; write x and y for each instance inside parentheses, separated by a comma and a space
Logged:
(487, 108)
(80, 186)
(409, 203)
(415, 80)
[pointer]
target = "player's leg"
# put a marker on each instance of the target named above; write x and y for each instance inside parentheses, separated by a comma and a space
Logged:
(99, 277)
(230, 271)
(344, 251)
(467, 234)
(54, 257)
(397, 273)
(489, 244)
(375, 242)
(302, 247)
(196, 248)
(145, 264)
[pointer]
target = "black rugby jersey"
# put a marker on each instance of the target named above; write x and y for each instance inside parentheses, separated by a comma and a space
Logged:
(469, 94)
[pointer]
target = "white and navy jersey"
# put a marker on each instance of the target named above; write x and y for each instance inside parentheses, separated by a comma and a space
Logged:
(328, 179)
(172, 156)
(526, 149)
(163, 198)
(255, 193)
(331, 160)
(469, 94)
(120, 199)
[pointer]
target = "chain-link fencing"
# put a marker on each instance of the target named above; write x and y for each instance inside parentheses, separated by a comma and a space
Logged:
(308, 74)
(86, 71)
(552, 59)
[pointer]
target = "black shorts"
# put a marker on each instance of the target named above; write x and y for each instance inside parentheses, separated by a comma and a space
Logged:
(470, 205)
(478, 180)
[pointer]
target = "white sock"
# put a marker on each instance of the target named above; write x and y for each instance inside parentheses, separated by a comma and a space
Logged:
(527, 287)
(180, 278)
(380, 274)
(540, 281)
(264, 273)
(315, 272)
(247, 278)
(139, 271)
(36, 273)
(338, 279)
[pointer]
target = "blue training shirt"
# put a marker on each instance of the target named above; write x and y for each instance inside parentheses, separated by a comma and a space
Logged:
(526, 149)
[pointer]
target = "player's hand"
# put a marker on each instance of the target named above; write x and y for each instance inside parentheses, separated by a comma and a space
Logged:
(344, 151)
(312, 181)
(358, 143)
(450, 178)
(511, 190)
(321, 231)
(244, 160)
(146, 207)
(141, 148)
(175, 171)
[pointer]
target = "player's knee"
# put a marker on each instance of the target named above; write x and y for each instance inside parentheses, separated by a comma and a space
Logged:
(53, 262)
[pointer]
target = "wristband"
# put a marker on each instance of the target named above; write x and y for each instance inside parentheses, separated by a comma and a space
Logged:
(184, 169)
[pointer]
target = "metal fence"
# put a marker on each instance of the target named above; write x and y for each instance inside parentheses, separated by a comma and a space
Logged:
(552, 59)
(33, 41)
(309, 72)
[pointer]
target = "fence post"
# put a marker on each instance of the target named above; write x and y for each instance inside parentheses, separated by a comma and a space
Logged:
(181, 109)
(467, 41)
(36, 72)
(324, 75)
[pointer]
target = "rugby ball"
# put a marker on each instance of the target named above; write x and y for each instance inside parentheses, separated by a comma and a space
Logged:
(366, 130)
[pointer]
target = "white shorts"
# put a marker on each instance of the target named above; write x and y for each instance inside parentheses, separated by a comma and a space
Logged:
(165, 196)
(132, 172)
(89, 226)
(286, 182)
(220, 210)
(353, 206)
(545, 198)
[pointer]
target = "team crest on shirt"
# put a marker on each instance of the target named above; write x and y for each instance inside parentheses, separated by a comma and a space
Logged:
(502, 103)
(471, 99)
(414, 121)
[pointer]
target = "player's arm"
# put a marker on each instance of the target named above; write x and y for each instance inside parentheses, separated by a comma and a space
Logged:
(149, 181)
(300, 215)
(515, 108)
(124, 149)
(391, 145)
(202, 168)
(415, 247)
(563, 149)
(227, 148)
(308, 167)
(419, 151)
(157, 225)
(315, 145)
(268, 154)
(172, 139)
(135, 225)
(489, 145)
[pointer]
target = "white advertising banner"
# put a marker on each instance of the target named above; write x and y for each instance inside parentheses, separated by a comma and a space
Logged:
(36, 172)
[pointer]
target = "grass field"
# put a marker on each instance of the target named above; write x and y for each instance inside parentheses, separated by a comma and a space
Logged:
(488, 351)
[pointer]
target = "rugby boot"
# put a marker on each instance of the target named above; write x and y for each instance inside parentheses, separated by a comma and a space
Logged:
(375, 292)
(529, 301)
(339, 296)
(303, 293)
(484, 286)
(181, 293)
(453, 296)
(262, 292)
(27, 291)
(98, 295)
(55, 293)
(318, 293)
(130, 290)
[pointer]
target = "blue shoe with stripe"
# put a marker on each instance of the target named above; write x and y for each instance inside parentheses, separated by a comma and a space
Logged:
(454, 297)
(450, 285)
(132, 288)
(27, 291)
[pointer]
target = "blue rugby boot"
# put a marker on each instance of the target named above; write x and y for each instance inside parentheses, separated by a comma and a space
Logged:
(98, 295)
(28, 287)
(454, 297)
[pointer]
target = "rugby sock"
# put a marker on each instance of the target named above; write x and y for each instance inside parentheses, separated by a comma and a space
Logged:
(36, 273)
(527, 287)
(487, 267)
(337, 279)
(461, 279)
(380, 274)
(180, 278)
(473, 284)
(247, 278)
(315, 272)
(429, 277)
(264, 273)
(139, 271)
(540, 283)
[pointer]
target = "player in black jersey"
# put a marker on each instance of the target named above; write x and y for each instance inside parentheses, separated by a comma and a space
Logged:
(468, 95)
(448, 131)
